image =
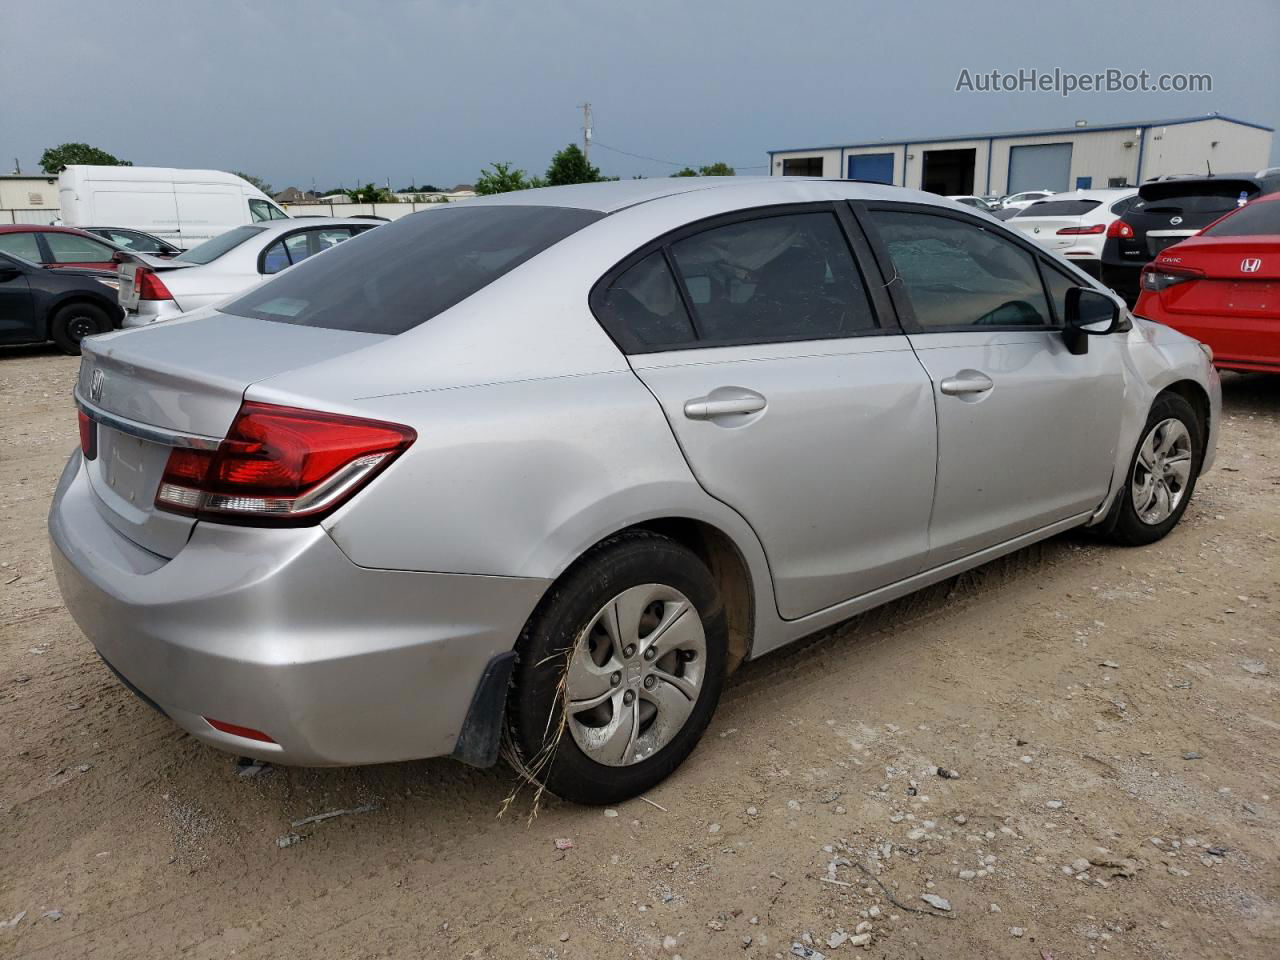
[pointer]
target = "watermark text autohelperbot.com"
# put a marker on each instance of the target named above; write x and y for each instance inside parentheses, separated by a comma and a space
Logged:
(1065, 83)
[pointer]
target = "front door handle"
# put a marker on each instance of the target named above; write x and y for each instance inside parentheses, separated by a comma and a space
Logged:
(966, 383)
(724, 402)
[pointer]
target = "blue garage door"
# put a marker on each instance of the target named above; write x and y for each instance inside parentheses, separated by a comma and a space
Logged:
(876, 167)
(1041, 166)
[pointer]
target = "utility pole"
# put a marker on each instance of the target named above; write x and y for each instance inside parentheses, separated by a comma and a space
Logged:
(586, 131)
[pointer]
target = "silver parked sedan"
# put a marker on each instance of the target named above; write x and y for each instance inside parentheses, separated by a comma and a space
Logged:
(549, 465)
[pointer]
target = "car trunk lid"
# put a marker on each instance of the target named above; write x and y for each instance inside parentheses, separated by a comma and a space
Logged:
(179, 384)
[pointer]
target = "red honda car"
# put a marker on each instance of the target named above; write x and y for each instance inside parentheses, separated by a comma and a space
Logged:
(57, 246)
(1222, 286)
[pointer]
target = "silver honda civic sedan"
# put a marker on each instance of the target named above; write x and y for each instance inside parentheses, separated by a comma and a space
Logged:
(544, 468)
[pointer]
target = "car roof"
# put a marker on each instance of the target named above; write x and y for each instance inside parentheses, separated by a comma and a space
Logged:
(271, 227)
(40, 228)
(614, 195)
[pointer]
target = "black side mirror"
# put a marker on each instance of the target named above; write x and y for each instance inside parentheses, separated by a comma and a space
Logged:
(1090, 313)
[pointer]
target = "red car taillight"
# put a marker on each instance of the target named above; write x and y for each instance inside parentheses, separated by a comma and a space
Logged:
(280, 465)
(1119, 230)
(1082, 231)
(88, 436)
(150, 286)
(1155, 278)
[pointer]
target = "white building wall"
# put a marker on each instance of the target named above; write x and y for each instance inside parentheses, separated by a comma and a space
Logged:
(1101, 154)
(1186, 147)
(24, 193)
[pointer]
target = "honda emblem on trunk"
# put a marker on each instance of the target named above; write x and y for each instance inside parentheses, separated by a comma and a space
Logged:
(95, 385)
(1250, 265)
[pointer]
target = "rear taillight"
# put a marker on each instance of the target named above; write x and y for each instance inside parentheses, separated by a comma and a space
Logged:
(149, 286)
(280, 465)
(1155, 278)
(88, 436)
(1084, 231)
(1119, 230)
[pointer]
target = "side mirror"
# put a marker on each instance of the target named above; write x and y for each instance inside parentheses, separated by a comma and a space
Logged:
(1090, 313)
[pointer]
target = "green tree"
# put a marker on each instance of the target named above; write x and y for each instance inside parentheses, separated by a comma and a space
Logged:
(503, 179)
(570, 166)
(56, 159)
(256, 181)
(716, 170)
(370, 194)
(686, 172)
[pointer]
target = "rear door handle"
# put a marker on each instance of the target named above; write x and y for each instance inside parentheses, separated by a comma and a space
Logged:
(965, 383)
(724, 402)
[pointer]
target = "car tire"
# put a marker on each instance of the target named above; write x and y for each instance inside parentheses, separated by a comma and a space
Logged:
(637, 734)
(74, 322)
(1140, 520)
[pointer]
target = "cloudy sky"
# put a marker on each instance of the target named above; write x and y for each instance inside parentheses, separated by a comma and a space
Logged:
(433, 90)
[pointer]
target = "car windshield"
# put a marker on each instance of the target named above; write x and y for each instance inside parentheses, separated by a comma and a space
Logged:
(211, 250)
(400, 275)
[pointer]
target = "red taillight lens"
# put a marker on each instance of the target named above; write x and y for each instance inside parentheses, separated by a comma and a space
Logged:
(1119, 230)
(88, 436)
(1083, 231)
(150, 286)
(1155, 278)
(238, 731)
(280, 464)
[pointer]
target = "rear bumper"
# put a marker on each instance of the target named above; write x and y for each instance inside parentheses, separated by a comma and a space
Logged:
(1123, 279)
(276, 630)
(150, 311)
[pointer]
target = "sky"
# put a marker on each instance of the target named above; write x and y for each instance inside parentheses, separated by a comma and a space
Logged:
(325, 93)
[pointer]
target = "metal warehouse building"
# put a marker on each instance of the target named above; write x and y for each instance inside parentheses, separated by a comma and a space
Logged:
(1079, 157)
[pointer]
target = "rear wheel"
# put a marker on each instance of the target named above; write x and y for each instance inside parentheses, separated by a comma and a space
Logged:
(74, 322)
(1162, 474)
(619, 671)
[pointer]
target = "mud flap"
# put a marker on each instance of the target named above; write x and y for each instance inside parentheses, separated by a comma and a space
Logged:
(477, 743)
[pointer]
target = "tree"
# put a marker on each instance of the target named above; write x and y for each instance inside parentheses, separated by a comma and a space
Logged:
(56, 159)
(370, 194)
(685, 172)
(503, 179)
(256, 181)
(716, 170)
(570, 166)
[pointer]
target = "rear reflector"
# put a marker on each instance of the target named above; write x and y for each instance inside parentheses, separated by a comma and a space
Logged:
(237, 731)
(149, 286)
(88, 436)
(1081, 231)
(280, 465)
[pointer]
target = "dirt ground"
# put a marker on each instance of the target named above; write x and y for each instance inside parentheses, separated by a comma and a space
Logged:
(1111, 715)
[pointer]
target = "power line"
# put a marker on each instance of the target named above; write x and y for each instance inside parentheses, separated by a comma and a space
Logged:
(672, 163)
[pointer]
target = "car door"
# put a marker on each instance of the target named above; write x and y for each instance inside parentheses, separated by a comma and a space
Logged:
(17, 316)
(763, 342)
(1027, 431)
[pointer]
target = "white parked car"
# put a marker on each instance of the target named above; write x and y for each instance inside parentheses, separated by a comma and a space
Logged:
(1016, 201)
(1075, 224)
(152, 289)
(978, 203)
(181, 207)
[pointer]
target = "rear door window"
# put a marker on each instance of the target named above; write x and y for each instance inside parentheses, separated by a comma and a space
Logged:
(1060, 208)
(790, 277)
(22, 245)
(643, 308)
(406, 272)
(959, 274)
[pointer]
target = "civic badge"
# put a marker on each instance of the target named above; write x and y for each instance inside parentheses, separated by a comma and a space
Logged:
(95, 384)
(1250, 265)
(1175, 220)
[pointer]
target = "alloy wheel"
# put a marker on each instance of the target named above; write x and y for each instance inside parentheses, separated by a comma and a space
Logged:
(1162, 471)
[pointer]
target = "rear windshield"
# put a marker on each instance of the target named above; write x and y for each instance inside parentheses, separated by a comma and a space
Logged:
(1257, 219)
(211, 250)
(1060, 208)
(406, 272)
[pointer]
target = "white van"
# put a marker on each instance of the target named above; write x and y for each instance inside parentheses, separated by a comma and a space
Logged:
(184, 207)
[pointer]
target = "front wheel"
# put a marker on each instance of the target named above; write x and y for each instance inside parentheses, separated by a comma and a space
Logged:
(619, 671)
(76, 321)
(1162, 474)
